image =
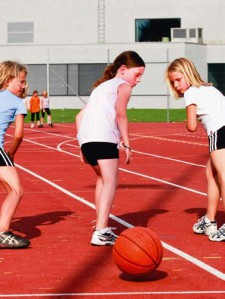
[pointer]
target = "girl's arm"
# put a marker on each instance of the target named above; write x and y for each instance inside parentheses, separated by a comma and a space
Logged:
(124, 93)
(192, 121)
(17, 137)
(78, 119)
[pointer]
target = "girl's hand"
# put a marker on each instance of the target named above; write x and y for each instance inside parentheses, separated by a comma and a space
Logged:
(128, 152)
(82, 158)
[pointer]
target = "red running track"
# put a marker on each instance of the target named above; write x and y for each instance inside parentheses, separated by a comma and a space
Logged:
(163, 189)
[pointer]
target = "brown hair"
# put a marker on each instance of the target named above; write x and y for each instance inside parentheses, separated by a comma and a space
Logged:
(128, 58)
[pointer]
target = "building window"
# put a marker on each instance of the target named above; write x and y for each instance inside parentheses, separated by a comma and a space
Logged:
(154, 30)
(37, 78)
(58, 79)
(73, 80)
(64, 79)
(216, 75)
(88, 74)
(22, 32)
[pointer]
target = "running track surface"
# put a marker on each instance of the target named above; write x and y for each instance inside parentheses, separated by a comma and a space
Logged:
(164, 189)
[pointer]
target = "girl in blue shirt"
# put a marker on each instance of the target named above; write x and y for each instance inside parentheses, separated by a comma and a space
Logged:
(12, 109)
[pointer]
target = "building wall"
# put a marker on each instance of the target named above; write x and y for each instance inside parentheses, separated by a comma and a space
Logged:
(71, 32)
(76, 22)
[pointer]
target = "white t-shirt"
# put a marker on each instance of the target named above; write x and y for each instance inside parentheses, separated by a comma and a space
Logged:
(44, 102)
(99, 119)
(210, 104)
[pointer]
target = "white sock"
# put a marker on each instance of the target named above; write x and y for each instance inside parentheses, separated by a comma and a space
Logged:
(207, 220)
(104, 230)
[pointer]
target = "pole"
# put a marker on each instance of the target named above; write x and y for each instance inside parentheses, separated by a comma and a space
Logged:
(48, 73)
(168, 96)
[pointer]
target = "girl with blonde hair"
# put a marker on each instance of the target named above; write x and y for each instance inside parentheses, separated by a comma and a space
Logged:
(12, 109)
(206, 104)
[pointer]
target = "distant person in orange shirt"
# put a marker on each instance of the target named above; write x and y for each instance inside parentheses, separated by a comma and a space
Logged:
(35, 107)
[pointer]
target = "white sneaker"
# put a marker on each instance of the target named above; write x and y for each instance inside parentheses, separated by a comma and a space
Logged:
(32, 125)
(219, 235)
(203, 226)
(103, 237)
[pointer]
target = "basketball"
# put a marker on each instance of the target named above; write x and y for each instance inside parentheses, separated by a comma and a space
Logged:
(138, 251)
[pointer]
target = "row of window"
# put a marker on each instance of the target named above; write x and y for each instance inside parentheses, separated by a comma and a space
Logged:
(64, 79)
(77, 79)
(152, 30)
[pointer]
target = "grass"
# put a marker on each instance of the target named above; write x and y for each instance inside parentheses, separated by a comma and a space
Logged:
(134, 115)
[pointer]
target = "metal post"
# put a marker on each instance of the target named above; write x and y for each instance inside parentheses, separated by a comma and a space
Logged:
(48, 73)
(168, 96)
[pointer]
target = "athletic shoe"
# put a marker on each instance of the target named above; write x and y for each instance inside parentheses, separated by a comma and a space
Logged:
(219, 235)
(10, 240)
(51, 125)
(205, 227)
(103, 237)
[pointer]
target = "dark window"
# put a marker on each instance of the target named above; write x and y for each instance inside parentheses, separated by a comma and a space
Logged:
(153, 30)
(58, 79)
(216, 75)
(37, 77)
(88, 74)
(64, 79)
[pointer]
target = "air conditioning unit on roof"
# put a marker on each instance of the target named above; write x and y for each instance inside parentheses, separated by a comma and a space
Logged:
(189, 35)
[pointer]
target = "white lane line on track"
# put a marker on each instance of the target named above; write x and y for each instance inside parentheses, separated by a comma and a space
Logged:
(125, 170)
(113, 294)
(182, 254)
(167, 158)
(191, 259)
(168, 139)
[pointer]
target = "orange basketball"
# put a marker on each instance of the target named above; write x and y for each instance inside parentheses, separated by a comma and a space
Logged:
(138, 251)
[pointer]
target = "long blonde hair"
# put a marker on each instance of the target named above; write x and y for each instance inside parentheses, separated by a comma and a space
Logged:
(187, 68)
(128, 58)
(9, 70)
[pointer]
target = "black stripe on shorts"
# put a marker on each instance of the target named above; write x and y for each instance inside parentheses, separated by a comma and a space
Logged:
(4, 159)
(217, 140)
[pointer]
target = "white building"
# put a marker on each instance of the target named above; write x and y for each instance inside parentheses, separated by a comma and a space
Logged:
(67, 43)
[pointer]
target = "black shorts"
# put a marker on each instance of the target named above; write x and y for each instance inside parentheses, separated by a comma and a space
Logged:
(4, 159)
(94, 151)
(35, 114)
(217, 140)
(47, 110)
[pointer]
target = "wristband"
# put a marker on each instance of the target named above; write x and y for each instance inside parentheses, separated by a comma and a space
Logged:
(125, 146)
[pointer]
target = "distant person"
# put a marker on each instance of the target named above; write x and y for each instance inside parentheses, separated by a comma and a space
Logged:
(206, 103)
(45, 108)
(35, 107)
(100, 124)
(12, 109)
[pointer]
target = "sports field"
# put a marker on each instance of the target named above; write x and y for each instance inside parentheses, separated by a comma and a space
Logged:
(134, 115)
(163, 189)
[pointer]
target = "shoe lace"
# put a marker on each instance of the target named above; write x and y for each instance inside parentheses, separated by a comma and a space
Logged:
(201, 222)
(221, 231)
(110, 231)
